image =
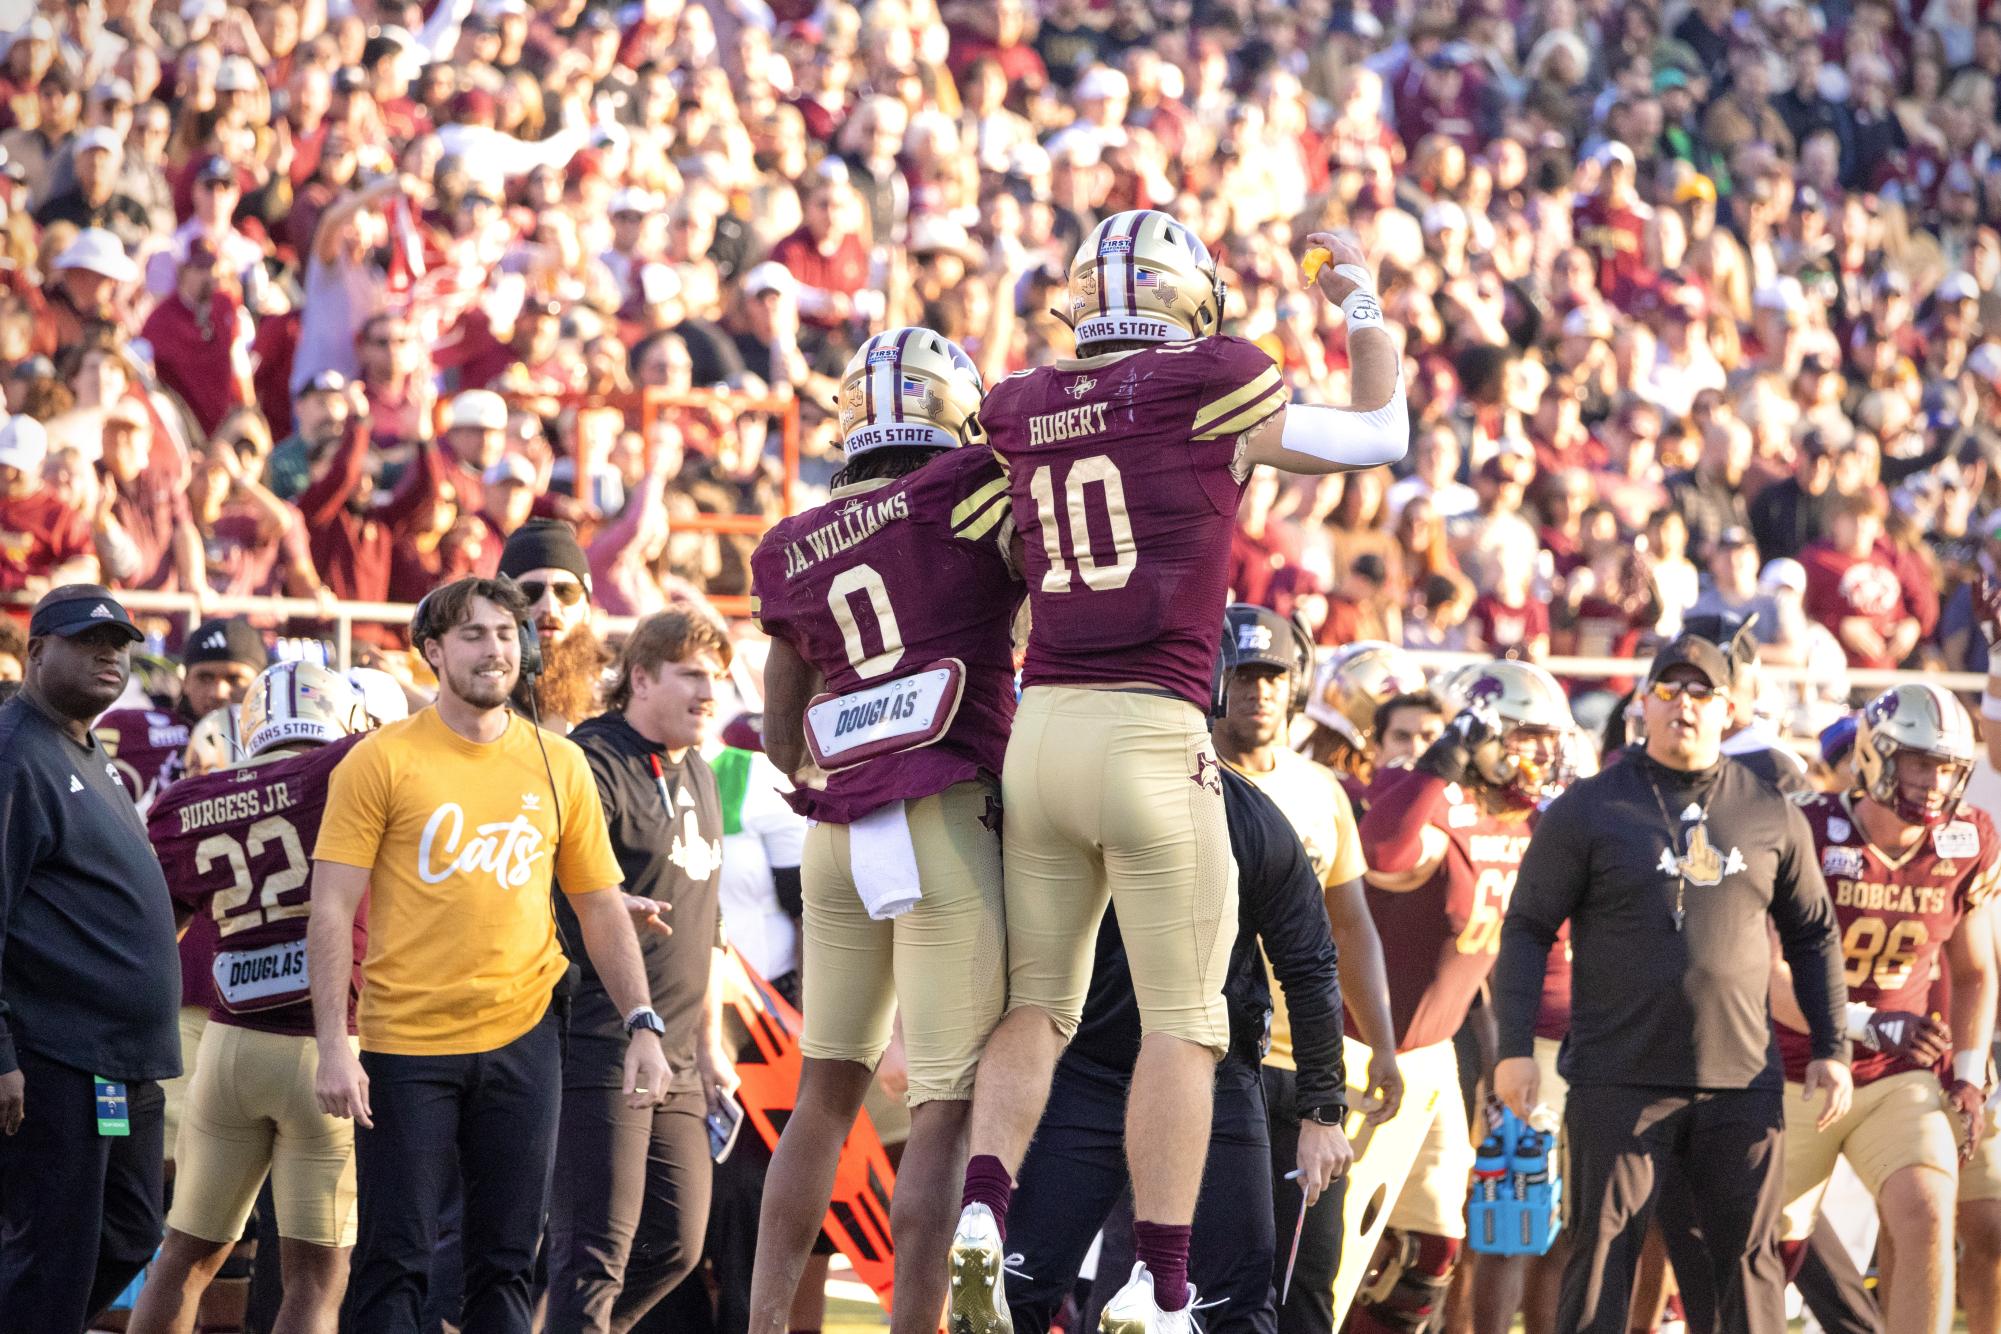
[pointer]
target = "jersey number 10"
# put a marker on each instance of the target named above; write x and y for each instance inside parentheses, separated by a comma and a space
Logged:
(1076, 492)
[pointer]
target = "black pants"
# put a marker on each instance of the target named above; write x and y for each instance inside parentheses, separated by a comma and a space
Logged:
(1727, 1146)
(629, 1210)
(80, 1213)
(1075, 1173)
(1309, 1306)
(493, 1114)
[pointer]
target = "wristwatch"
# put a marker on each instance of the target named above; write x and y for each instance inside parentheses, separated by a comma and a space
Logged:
(645, 1018)
(1331, 1114)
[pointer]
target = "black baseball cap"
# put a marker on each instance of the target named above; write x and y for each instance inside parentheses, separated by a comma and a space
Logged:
(1691, 650)
(231, 640)
(74, 608)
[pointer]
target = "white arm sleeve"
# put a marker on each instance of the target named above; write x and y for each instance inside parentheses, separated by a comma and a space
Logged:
(1347, 437)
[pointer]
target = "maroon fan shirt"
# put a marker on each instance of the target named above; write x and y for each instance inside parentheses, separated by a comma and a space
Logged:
(1894, 915)
(1122, 469)
(1439, 939)
(887, 579)
(236, 846)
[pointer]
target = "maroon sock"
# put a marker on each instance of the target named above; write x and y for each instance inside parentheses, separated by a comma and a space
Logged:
(1164, 1250)
(988, 1183)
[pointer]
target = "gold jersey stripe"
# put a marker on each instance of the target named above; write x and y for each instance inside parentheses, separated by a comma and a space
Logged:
(982, 524)
(1249, 417)
(977, 501)
(1236, 398)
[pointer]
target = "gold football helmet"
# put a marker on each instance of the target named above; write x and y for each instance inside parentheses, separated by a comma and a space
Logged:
(1526, 700)
(1353, 682)
(212, 742)
(298, 701)
(1928, 721)
(1140, 276)
(910, 386)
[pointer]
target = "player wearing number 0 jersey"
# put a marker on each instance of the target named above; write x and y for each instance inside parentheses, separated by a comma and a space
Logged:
(1125, 467)
(891, 610)
(1909, 869)
(235, 845)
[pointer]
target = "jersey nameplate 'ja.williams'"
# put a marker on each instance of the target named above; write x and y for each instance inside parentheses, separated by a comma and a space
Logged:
(857, 520)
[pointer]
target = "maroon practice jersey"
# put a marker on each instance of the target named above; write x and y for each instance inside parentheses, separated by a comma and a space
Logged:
(887, 579)
(236, 845)
(1439, 939)
(1122, 472)
(145, 746)
(1894, 913)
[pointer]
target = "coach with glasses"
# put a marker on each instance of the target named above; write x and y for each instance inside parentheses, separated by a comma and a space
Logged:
(1669, 866)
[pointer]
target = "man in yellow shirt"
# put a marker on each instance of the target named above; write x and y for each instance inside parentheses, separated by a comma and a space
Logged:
(453, 824)
(1266, 663)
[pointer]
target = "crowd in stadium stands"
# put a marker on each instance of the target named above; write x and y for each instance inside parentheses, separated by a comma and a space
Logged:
(1701, 302)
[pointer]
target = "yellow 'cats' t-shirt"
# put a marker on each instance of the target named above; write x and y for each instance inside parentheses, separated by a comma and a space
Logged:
(458, 837)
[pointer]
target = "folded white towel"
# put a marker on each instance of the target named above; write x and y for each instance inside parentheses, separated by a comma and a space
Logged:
(884, 862)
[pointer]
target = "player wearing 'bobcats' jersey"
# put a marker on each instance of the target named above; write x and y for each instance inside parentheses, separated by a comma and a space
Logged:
(890, 610)
(1125, 466)
(235, 845)
(1444, 840)
(1909, 869)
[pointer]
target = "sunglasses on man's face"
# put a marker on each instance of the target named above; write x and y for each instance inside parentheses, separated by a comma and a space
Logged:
(567, 594)
(1667, 692)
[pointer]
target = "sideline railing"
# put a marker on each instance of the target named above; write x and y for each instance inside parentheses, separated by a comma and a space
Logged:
(344, 616)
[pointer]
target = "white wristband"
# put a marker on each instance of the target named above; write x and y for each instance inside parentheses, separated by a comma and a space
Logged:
(1362, 309)
(1857, 1023)
(1970, 1066)
(1990, 707)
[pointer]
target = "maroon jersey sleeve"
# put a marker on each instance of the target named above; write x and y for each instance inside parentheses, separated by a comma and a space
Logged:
(888, 579)
(236, 846)
(145, 747)
(1123, 483)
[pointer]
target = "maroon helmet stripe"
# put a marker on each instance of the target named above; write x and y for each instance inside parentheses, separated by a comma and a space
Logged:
(896, 373)
(1132, 262)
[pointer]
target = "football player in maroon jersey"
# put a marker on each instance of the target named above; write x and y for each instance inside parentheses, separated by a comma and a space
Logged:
(1125, 467)
(233, 844)
(1909, 868)
(1444, 840)
(890, 610)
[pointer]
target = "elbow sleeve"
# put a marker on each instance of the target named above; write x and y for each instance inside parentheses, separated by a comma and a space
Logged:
(1347, 437)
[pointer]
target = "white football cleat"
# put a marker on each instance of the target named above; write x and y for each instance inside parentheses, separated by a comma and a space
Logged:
(978, 1304)
(1132, 1309)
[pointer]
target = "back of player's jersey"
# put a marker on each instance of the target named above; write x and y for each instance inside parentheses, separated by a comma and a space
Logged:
(145, 746)
(1121, 477)
(885, 580)
(236, 845)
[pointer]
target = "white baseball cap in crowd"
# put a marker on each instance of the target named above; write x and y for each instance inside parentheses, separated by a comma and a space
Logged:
(237, 75)
(1102, 83)
(477, 409)
(1985, 363)
(96, 250)
(1784, 572)
(770, 276)
(512, 470)
(1959, 285)
(632, 199)
(23, 444)
(98, 138)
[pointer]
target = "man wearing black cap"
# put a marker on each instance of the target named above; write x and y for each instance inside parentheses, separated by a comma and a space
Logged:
(88, 982)
(1668, 867)
(543, 557)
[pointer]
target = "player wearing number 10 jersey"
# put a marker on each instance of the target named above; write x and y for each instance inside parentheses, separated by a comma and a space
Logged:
(1125, 467)
(235, 846)
(1909, 869)
(895, 602)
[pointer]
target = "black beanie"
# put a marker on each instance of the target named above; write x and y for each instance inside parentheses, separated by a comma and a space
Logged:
(545, 544)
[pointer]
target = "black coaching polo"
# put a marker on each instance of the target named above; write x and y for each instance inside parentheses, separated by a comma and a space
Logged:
(90, 975)
(1653, 1005)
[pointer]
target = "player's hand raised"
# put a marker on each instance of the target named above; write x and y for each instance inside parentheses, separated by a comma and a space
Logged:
(1919, 1038)
(1468, 749)
(1341, 250)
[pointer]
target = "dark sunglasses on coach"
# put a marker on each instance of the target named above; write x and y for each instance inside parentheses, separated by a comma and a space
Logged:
(567, 594)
